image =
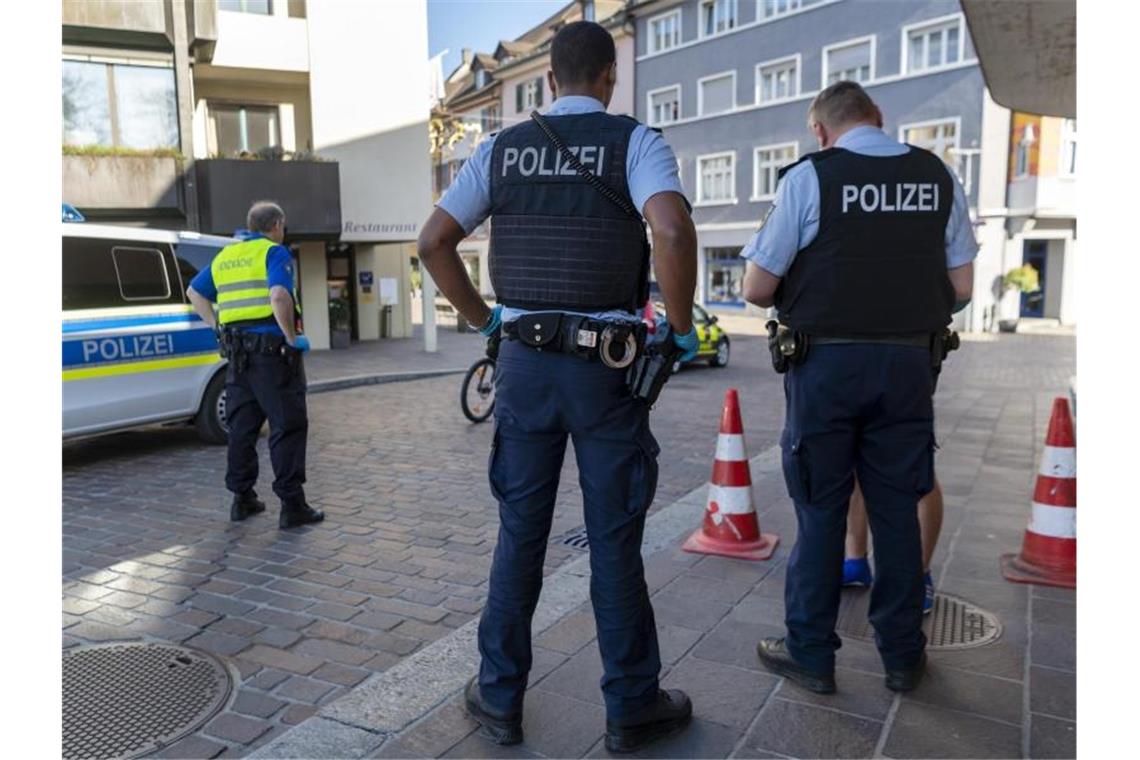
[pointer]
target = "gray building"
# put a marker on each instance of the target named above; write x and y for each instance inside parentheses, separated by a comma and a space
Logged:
(729, 82)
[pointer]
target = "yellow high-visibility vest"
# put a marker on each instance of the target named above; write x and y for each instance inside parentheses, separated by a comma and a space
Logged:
(241, 277)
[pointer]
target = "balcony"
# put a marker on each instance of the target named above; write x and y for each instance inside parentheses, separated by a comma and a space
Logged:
(309, 191)
(1054, 197)
(123, 183)
(283, 46)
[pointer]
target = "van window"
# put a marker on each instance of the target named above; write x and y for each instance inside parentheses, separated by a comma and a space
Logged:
(193, 258)
(142, 274)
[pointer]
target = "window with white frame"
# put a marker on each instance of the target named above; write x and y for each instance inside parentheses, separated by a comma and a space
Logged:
(778, 80)
(767, 161)
(849, 61)
(528, 95)
(717, 16)
(774, 8)
(934, 45)
(1069, 148)
(121, 105)
(716, 178)
(1021, 160)
(665, 105)
(665, 31)
(717, 93)
(938, 137)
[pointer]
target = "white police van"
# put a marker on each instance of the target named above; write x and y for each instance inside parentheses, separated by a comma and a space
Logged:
(134, 351)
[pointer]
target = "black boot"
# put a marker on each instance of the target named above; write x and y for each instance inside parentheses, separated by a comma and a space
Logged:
(775, 656)
(906, 679)
(499, 727)
(669, 714)
(245, 504)
(297, 513)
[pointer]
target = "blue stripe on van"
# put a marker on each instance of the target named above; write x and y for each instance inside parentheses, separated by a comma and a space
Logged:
(87, 352)
(111, 324)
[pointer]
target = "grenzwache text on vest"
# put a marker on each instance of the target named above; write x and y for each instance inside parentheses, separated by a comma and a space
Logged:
(531, 161)
(907, 196)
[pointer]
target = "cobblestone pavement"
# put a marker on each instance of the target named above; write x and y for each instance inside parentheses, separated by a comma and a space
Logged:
(402, 557)
(455, 351)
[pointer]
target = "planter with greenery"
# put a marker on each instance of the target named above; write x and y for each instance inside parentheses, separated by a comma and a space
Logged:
(1022, 279)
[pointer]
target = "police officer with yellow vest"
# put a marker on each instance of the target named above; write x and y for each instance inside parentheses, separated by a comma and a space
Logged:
(252, 284)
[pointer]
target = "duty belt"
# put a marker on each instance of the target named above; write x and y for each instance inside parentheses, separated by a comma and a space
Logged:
(615, 343)
(921, 340)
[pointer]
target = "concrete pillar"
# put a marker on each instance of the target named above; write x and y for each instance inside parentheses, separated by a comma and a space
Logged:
(429, 311)
(367, 302)
(991, 212)
(315, 293)
(1069, 283)
(184, 91)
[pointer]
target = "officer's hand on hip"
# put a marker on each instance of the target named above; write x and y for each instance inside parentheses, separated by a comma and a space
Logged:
(301, 343)
(688, 343)
(495, 322)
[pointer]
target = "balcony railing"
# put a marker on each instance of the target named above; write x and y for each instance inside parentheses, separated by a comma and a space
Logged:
(308, 191)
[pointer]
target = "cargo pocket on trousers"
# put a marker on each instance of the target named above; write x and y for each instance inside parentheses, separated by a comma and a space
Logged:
(797, 471)
(924, 478)
(493, 467)
(644, 484)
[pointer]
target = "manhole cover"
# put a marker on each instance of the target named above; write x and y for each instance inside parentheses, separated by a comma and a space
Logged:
(953, 624)
(575, 539)
(123, 700)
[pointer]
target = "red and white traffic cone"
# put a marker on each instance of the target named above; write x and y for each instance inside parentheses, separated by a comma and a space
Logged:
(1049, 550)
(730, 527)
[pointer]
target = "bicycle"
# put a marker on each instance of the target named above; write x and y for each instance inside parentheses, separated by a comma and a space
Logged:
(477, 399)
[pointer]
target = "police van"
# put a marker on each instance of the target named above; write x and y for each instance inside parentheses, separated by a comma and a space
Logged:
(134, 351)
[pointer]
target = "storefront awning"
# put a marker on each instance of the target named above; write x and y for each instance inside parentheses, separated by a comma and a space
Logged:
(1028, 52)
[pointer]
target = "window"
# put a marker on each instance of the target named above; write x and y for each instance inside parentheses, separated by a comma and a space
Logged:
(1069, 148)
(262, 7)
(244, 129)
(101, 274)
(491, 118)
(774, 8)
(717, 93)
(849, 61)
(767, 162)
(725, 281)
(141, 273)
(778, 80)
(716, 178)
(665, 32)
(528, 95)
(481, 79)
(939, 137)
(665, 105)
(717, 16)
(119, 105)
(193, 257)
(932, 46)
(1022, 161)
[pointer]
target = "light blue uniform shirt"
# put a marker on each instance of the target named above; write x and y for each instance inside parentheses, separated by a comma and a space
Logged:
(650, 168)
(793, 221)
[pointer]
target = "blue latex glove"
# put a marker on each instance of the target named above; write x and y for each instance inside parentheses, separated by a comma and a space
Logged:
(495, 322)
(687, 343)
(301, 343)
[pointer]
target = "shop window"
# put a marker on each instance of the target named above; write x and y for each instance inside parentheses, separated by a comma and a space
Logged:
(725, 277)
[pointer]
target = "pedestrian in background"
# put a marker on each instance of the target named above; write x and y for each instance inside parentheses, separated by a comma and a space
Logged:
(252, 284)
(866, 253)
(569, 264)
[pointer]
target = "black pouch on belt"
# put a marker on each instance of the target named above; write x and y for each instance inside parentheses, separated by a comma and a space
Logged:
(539, 330)
(651, 370)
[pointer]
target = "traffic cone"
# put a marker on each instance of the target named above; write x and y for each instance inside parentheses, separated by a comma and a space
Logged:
(1049, 550)
(730, 527)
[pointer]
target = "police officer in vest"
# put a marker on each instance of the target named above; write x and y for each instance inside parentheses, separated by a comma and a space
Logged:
(569, 264)
(257, 309)
(865, 254)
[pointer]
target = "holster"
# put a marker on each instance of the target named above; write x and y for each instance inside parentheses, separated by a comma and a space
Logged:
(650, 371)
(941, 344)
(787, 346)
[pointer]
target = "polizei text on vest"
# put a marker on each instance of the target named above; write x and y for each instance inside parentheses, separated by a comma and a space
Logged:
(902, 196)
(530, 161)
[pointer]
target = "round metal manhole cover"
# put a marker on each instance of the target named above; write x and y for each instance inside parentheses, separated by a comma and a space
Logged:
(125, 700)
(953, 624)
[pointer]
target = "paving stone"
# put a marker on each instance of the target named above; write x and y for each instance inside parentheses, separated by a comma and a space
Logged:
(303, 689)
(324, 649)
(98, 632)
(799, 730)
(569, 634)
(970, 692)
(734, 643)
(1053, 692)
(701, 738)
(721, 693)
(256, 704)
(75, 606)
(267, 678)
(714, 589)
(377, 621)
(557, 726)
(236, 728)
(294, 714)
(407, 609)
(1003, 658)
(112, 616)
(1051, 737)
(390, 642)
(476, 747)
(381, 661)
(236, 627)
(281, 618)
(281, 638)
(123, 599)
(736, 570)
(192, 746)
(339, 674)
(924, 731)
(272, 657)
(1052, 612)
(1054, 646)
(220, 605)
(414, 629)
(674, 642)
(858, 693)
(219, 643)
(579, 677)
(87, 591)
(688, 611)
(434, 735)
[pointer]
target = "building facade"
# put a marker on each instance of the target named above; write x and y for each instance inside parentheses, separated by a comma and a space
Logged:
(729, 83)
(180, 113)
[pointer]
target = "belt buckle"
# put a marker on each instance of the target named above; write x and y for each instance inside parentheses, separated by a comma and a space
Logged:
(612, 334)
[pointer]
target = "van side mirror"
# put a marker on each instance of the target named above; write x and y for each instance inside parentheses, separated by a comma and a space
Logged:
(713, 319)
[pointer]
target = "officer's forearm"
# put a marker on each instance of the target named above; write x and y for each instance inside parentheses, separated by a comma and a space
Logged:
(202, 306)
(282, 304)
(437, 251)
(674, 256)
(962, 278)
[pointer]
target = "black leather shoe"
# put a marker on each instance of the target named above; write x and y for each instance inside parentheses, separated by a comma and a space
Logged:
(499, 727)
(906, 679)
(245, 504)
(775, 656)
(669, 714)
(295, 515)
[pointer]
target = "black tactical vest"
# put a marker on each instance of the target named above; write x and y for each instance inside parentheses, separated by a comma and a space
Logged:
(877, 267)
(556, 242)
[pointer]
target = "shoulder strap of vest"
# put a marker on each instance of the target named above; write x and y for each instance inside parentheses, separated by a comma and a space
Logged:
(814, 157)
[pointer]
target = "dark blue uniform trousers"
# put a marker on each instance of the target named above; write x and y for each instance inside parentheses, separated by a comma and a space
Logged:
(866, 409)
(267, 389)
(540, 400)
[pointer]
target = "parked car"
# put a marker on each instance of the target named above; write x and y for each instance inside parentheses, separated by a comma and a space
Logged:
(715, 347)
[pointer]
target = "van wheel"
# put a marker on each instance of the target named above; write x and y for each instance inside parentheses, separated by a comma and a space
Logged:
(211, 418)
(720, 359)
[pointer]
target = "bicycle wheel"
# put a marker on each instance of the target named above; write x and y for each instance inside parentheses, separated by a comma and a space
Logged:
(477, 397)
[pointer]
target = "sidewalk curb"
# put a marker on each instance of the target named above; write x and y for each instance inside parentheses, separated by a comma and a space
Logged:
(385, 704)
(356, 381)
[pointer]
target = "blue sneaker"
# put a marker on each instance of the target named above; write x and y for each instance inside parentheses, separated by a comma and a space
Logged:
(928, 599)
(857, 572)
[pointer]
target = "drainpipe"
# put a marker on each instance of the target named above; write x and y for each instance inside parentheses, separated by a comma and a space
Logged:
(184, 90)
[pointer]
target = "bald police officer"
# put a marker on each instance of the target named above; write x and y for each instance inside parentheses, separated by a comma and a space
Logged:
(569, 264)
(865, 253)
(252, 284)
